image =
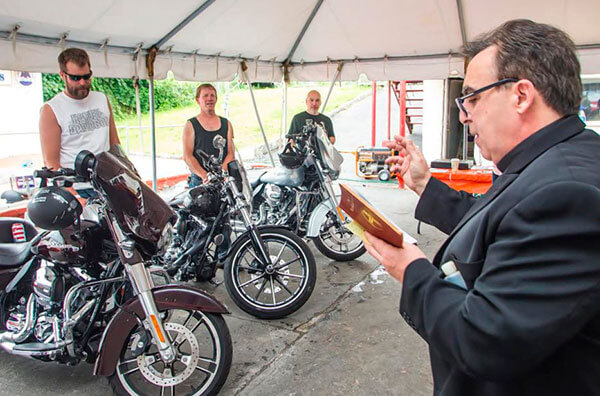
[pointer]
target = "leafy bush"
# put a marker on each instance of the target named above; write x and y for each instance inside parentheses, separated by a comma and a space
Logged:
(168, 93)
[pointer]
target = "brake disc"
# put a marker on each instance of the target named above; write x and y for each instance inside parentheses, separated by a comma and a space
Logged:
(179, 334)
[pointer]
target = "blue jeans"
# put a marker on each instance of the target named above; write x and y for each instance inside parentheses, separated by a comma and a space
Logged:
(194, 180)
(87, 193)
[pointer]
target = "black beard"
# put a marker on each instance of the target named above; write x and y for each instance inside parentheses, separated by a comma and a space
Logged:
(78, 92)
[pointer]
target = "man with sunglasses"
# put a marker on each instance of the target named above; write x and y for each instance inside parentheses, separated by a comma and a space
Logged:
(528, 322)
(77, 118)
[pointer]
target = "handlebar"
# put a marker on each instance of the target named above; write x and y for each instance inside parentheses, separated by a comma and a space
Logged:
(46, 173)
(67, 175)
(211, 164)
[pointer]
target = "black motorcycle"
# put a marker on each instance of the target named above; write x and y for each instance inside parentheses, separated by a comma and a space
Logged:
(299, 195)
(83, 290)
(269, 271)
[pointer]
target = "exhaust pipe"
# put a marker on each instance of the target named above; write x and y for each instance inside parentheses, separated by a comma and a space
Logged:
(25, 350)
(21, 335)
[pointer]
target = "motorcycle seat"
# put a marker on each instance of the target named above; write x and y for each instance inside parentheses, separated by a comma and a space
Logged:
(14, 254)
(6, 223)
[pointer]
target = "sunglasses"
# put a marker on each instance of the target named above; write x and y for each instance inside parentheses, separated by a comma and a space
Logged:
(75, 77)
(460, 102)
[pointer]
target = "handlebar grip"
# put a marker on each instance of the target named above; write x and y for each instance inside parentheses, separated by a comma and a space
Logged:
(67, 172)
(49, 173)
(43, 173)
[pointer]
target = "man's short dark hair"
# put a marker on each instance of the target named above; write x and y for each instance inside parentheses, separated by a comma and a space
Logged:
(539, 53)
(75, 55)
(204, 86)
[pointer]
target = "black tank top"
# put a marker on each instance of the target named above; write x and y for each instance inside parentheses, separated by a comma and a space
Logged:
(203, 139)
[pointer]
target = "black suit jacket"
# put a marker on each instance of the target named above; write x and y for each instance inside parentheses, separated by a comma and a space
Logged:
(529, 251)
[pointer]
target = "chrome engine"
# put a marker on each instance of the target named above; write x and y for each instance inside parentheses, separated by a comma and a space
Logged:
(176, 246)
(277, 206)
(42, 315)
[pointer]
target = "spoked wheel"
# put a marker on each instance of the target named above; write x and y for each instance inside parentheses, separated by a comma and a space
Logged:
(203, 347)
(275, 290)
(338, 242)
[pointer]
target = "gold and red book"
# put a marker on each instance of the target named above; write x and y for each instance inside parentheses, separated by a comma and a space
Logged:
(369, 218)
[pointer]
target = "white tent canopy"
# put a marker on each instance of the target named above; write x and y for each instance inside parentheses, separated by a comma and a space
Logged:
(206, 40)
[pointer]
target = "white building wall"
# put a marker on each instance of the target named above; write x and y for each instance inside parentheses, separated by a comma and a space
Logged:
(433, 119)
(20, 102)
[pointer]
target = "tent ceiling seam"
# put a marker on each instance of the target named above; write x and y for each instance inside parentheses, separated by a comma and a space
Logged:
(183, 23)
(461, 21)
(303, 31)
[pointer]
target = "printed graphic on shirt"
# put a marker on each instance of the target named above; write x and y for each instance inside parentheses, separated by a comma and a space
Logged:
(87, 121)
(309, 122)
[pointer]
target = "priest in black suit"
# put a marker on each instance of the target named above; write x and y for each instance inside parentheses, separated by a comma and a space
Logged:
(528, 322)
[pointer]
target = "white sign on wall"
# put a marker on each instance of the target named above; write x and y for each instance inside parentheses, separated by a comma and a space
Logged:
(5, 77)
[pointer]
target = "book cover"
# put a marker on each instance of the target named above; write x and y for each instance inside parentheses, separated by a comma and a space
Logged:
(369, 218)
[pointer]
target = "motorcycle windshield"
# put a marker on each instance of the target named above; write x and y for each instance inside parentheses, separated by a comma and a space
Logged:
(331, 158)
(140, 212)
(246, 189)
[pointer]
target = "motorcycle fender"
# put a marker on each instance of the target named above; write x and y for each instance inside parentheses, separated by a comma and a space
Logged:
(317, 217)
(166, 297)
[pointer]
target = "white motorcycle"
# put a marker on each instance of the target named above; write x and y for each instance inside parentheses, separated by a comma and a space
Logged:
(299, 195)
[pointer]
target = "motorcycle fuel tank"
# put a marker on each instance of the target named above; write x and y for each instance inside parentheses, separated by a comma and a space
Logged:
(284, 176)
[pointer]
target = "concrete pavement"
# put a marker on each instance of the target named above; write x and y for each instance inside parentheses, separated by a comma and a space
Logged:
(348, 339)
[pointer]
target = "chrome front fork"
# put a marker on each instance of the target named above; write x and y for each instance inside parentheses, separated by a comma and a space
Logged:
(328, 190)
(141, 279)
(243, 207)
(142, 282)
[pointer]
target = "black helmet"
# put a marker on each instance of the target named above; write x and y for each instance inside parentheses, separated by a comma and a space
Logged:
(205, 201)
(291, 157)
(53, 208)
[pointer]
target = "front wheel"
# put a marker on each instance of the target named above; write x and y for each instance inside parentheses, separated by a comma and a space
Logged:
(275, 290)
(338, 242)
(203, 357)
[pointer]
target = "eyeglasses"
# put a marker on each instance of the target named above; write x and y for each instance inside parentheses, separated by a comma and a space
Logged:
(460, 101)
(75, 77)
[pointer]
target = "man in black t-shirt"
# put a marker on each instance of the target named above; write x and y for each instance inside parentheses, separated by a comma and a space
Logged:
(312, 116)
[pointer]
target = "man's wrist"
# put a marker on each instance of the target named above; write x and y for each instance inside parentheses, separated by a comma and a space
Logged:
(420, 187)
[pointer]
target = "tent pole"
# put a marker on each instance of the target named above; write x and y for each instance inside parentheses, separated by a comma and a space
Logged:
(244, 67)
(150, 70)
(138, 110)
(389, 123)
(465, 144)
(374, 108)
(284, 109)
(153, 131)
(335, 78)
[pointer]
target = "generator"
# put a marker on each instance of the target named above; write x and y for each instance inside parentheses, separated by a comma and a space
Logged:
(370, 162)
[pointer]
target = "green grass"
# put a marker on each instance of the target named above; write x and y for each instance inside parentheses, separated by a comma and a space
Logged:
(241, 114)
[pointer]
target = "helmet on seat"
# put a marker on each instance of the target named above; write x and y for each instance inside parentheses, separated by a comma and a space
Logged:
(53, 208)
(291, 157)
(204, 201)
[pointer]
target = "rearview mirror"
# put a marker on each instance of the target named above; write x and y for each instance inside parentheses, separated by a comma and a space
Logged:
(219, 142)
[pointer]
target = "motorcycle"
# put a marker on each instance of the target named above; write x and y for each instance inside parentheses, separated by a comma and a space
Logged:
(83, 290)
(299, 195)
(269, 272)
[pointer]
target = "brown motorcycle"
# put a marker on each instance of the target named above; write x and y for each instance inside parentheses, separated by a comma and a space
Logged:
(83, 289)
